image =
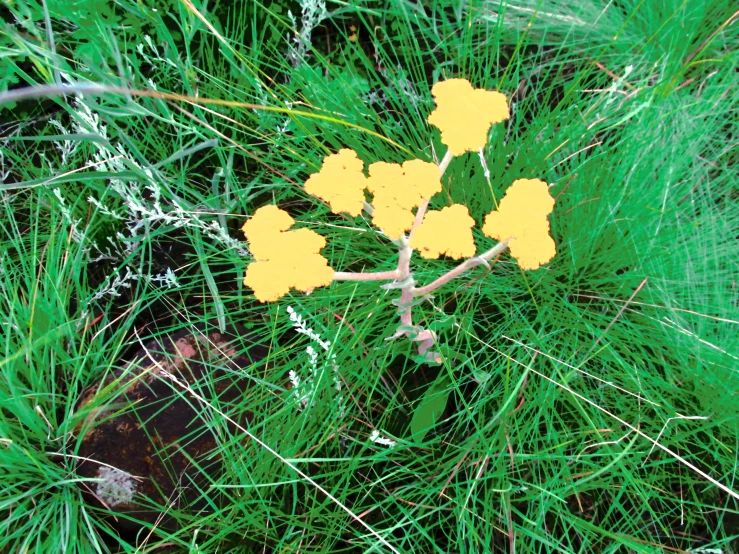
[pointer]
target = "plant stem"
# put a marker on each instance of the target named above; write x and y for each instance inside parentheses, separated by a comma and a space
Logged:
(373, 276)
(461, 268)
(425, 338)
(404, 263)
(445, 161)
(421, 211)
(404, 269)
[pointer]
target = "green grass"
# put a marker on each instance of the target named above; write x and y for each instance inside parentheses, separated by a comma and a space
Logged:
(592, 404)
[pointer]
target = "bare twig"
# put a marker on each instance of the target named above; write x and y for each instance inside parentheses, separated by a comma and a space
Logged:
(461, 268)
(372, 276)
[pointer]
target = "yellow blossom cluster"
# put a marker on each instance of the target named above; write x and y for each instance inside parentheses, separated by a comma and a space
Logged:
(522, 216)
(340, 182)
(290, 259)
(446, 232)
(464, 114)
(284, 259)
(396, 190)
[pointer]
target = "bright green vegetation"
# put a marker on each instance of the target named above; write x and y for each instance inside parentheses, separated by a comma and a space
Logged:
(558, 382)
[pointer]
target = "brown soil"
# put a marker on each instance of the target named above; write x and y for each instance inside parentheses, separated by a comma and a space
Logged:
(143, 441)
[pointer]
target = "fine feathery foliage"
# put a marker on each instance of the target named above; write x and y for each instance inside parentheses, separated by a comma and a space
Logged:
(591, 404)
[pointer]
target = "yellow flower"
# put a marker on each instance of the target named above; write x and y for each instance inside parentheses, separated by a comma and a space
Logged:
(267, 220)
(267, 282)
(447, 231)
(423, 178)
(265, 246)
(263, 229)
(340, 182)
(464, 114)
(522, 216)
(284, 259)
(397, 189)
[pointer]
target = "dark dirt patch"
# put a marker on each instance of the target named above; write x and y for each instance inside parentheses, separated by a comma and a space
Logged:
(151, 443)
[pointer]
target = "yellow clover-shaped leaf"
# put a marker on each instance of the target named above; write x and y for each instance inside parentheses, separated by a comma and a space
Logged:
(445, 232)
(464, 114)
(522, 216)
(284, 259)
(340, 182)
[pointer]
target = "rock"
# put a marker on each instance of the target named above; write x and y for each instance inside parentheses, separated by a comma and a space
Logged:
(141, 442)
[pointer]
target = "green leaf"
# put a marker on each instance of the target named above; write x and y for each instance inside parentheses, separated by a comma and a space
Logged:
(430, 408)
(445, 322)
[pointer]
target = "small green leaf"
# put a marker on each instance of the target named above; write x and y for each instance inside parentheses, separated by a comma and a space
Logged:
(430, 407)
(429, 358)
(446, 322)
